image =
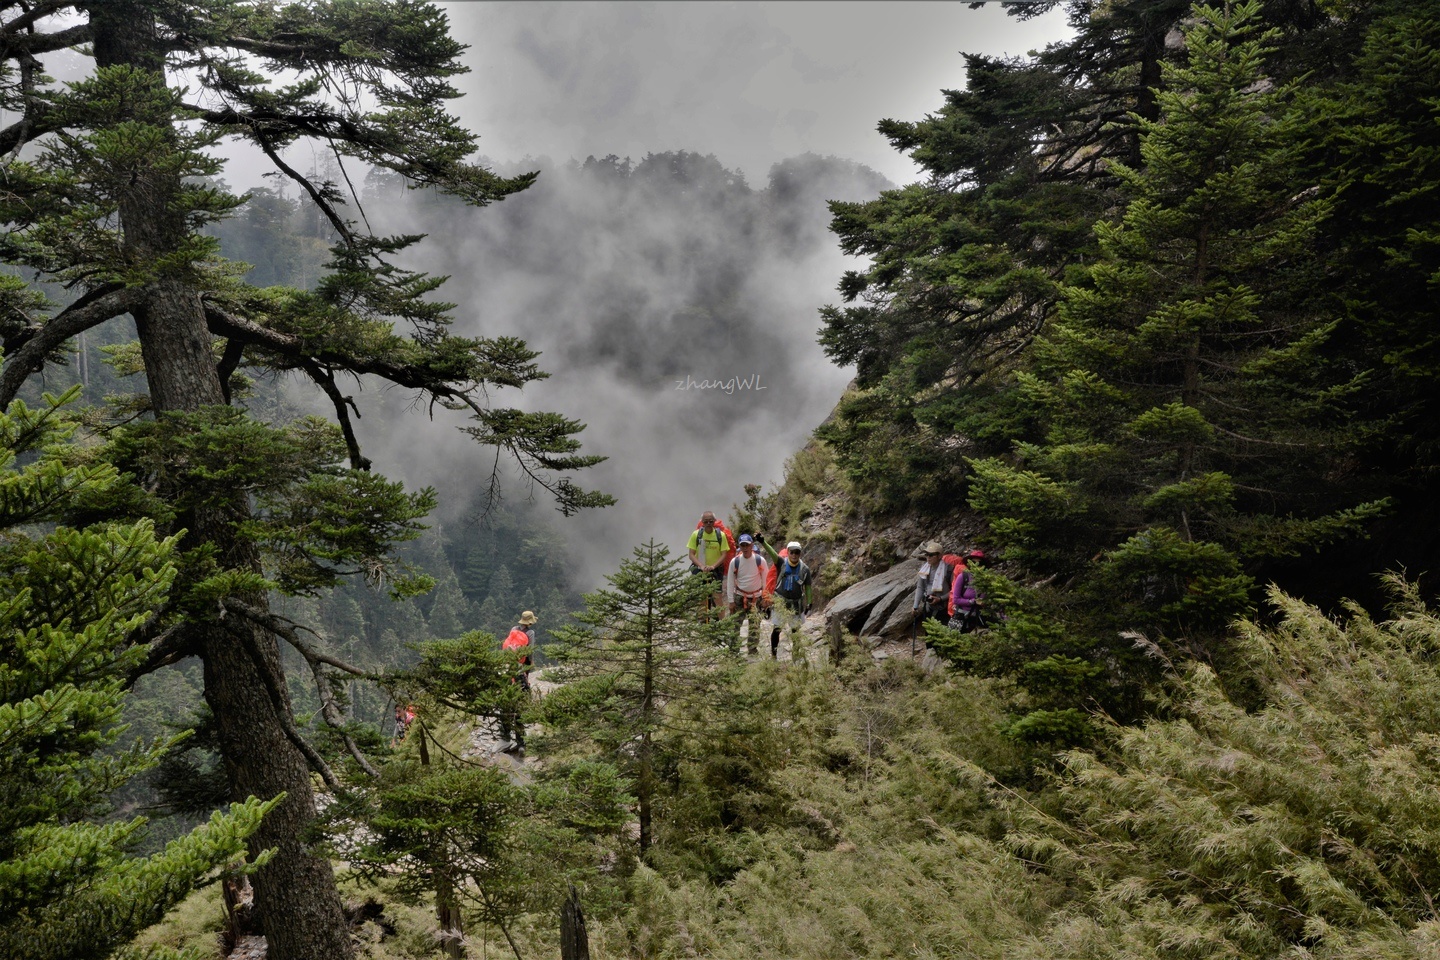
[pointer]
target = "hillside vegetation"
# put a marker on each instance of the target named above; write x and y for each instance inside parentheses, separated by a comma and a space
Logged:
(1157, 330)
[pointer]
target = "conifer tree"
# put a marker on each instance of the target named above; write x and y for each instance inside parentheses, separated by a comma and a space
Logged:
(70, 884)
(109, 182)
(1175, 393)
(638, 651)
(1375, 150)
(968, 265)
(450, 613)
(464, 832)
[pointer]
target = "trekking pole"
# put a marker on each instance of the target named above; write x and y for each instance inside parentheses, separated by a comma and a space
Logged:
(914, 633)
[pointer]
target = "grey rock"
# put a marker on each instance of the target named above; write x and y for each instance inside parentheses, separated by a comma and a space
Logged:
(893, 608)
(901, 621)
(853, 606)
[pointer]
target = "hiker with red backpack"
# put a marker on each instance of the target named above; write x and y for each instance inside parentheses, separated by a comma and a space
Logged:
(521, 640)
(746, 593)
(711, 548)
(966, 600)
(789, 582)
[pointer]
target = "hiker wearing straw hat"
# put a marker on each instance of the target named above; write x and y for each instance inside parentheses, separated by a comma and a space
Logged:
(932, 584)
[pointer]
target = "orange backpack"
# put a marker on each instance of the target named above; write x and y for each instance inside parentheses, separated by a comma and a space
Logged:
(516, 640)
(957, 567)
(773, 577)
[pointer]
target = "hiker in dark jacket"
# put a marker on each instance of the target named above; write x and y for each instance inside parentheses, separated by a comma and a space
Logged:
(792, 598)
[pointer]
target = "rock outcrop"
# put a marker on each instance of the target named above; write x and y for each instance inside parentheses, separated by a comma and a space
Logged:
(878, 606)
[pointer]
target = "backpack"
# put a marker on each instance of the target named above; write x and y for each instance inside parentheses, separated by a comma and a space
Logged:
(516, 640)
(956, 564)
(774, 572)
(791, 583)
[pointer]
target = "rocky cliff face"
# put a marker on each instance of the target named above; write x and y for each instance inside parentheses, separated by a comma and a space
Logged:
(864, 565)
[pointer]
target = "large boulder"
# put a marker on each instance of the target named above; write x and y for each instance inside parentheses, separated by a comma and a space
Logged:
(891, 612)
(871, 607)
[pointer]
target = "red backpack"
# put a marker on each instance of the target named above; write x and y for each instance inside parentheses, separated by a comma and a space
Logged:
(773, 577)
(957, 567)
(517, 639)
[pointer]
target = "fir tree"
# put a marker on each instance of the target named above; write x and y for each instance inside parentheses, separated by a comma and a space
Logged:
(450, 613)
(1174, 393)
(71, 885)
(466, 833)
(636, 655)
(110, 200)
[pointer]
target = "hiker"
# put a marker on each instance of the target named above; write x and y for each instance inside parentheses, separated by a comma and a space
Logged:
(521, 638)
(792, 587)
(745, 591)
(932, 585)
(404, 716)
(709, 545)
(965, 598)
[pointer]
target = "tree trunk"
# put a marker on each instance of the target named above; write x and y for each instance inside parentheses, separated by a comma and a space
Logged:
(447, 915)
(295, 892)
(574, 941)
(645, 781)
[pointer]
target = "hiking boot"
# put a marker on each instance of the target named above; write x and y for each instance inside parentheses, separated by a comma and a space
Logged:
(504, 746)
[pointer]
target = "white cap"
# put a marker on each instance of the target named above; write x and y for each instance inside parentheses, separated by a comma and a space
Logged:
(793, 545)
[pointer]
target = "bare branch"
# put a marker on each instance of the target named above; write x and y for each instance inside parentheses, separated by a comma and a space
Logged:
(269, 48)
(229, 361)
(31, 16)
(33, 43)
(286, 630)
(36, 342)
(282, 714)
(343, 405)
(340, 225)
(170, 646)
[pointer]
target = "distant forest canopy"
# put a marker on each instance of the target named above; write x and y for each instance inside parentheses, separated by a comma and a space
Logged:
(641, 267)
(628, 276)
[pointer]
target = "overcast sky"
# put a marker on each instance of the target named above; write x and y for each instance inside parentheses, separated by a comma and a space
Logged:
(752, 83)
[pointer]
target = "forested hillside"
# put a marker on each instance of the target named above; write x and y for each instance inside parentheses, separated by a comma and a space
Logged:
(1157, 318)
(1155, 330)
